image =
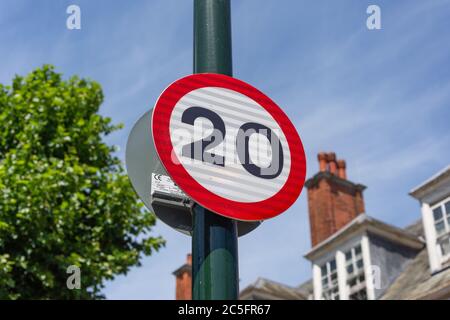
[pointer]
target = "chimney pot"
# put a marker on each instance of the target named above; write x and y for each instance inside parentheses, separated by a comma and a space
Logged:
(322, 157)
(331, 158)
(341, 169)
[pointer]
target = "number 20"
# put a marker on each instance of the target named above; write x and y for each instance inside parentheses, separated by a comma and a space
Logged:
(242, 143)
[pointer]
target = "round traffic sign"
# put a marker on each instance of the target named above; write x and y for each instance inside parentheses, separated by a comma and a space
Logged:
(229, 146)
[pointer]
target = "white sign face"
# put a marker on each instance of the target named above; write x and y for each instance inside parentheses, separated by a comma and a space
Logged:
(163, 183)
(228, 146)
(217, 123)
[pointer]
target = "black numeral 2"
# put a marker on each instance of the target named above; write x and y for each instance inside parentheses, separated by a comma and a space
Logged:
(191, 150)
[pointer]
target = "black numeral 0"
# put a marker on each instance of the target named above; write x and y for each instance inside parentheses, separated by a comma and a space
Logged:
(242, 143)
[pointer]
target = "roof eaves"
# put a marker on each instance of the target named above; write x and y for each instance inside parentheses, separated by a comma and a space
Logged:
(417, 191)
(354, 224)
(363, 222)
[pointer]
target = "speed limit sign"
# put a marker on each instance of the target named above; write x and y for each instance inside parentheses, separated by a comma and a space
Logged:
(228, 146)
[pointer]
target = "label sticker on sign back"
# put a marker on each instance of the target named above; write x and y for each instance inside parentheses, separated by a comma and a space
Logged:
(163, 183)
(228, 146)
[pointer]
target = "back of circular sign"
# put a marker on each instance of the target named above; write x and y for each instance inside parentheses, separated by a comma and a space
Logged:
(154, 186)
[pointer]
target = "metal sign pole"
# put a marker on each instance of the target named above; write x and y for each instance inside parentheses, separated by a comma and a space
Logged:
(215, 272)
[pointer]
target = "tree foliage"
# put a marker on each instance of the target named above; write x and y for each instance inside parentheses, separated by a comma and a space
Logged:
(65, 199)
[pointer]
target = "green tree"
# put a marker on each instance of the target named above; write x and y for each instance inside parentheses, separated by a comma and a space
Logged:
(64, 197)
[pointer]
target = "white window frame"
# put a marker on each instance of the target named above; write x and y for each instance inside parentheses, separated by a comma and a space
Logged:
(430, 237)
(329, 280)
(357, 272)
(339, 256)
(446, 235)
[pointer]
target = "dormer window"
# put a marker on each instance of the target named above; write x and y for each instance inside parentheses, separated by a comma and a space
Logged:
(330, 289)
(434, 197)
(353, 263)
(441, 216)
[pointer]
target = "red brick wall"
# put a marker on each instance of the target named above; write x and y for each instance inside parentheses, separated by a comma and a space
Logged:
(184, 286)
(320, 217)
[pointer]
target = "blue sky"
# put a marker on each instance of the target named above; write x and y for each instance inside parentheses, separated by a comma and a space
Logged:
(380, 99)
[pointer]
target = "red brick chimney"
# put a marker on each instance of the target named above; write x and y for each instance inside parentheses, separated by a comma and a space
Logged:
(184, 280)
(333, 201)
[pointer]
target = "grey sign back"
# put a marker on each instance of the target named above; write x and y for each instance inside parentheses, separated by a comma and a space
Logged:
(141, 161)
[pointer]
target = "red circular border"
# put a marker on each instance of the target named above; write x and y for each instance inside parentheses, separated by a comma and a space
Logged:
(247, 211)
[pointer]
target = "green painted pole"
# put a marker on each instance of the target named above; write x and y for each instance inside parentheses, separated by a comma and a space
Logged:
(215, 274)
